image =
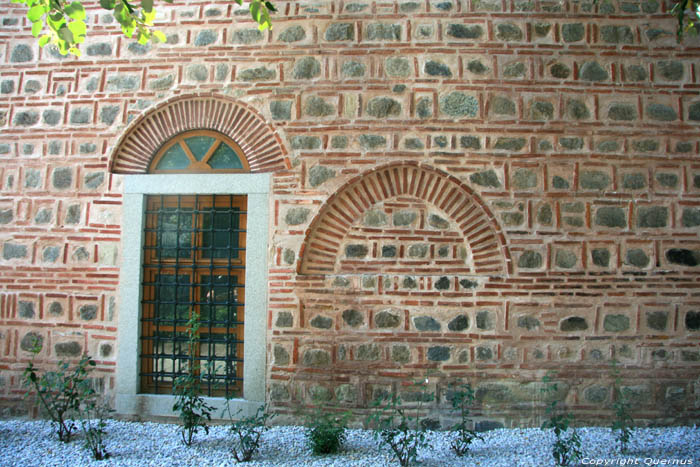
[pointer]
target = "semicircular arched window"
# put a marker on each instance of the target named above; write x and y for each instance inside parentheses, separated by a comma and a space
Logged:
(199, 151)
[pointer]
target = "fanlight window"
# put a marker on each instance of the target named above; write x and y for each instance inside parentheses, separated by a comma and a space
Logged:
(199, 151)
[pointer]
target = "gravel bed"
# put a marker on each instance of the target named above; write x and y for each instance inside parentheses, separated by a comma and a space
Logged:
(32, 443)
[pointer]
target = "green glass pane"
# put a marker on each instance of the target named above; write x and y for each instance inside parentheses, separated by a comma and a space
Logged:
(218, 294)
(199, 145)
(225, 158)
(172, 297)
(174, 239)
(220, 233)
(174, 159)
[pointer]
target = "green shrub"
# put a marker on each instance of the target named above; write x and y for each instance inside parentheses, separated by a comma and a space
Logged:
(622, 425)
(60, 393)
(194, 411)
(566, 449)
(395, 426)
(247, 432)
(325, 431)
(93, 425)
(462, 398)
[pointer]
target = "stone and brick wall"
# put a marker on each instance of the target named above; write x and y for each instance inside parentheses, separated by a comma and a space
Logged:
(473, 190)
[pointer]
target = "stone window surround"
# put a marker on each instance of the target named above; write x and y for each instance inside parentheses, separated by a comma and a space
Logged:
(128, 400)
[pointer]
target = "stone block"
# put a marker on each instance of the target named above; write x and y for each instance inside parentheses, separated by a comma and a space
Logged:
(577, 110)
(247, 36)
(68, 349)
(593, 71)
(559, 70)
(692, 320)
(667, 180)
(81, 116)
(435, 68)
(281, 110)
(139, 49)
(683, 256)
(573, 324)
(316, 358)
(389, 251)
(419, 250)
(657, 320)
(484, 353)
(637, 257)
(306, 68)
(353, 318)
(424, 107)
(616, 323)
(508, 32)
(387, 319)
(514, 70)
(690, 217)
(14, 251)
(353, 69)
(400, 354)
(458, 104)
(30, 340)
(601, 257)
(596, 394)
(21, 53)
(426, 323)
(296, 216)
(616, 34)
(459, 323)
(485, 320)
(321, 322)
(260, 74)
(26, 118)
(205, 37)
(101, 49)
(443, 283)
(463, 31)
(26, 309)
(397, 67)
(594, 180)
(622, 112)
(368, 352)
(503, 106)
(652, 216)
(279, 392)
(528, 322)
(477, 67)
(670, 70)
(292, 34)
(565, 259)
(530, 259)
(542, 110)
(660, 112)
(404, 218)
(573, 32)
(383, 107)
(284, 320)
(372, 141)
(319, 174)
(306, 142)
(645, 145)
(487, 178)
(346, 393)
(610, 216)
(438, 353)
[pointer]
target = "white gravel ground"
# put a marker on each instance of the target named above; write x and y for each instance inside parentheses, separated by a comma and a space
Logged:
(32, 443)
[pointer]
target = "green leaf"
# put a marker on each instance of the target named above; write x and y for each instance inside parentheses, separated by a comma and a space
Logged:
(270, 6)
(75, 51)
(158, 35)
(43, 40)
(66, 35)
(37, 27)
(108, 4)
(35, 13)
(147, 5)
(255, 11)
(79, 30)
(75, 11)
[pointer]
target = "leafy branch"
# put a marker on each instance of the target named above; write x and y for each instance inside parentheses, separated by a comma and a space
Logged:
(62, 23)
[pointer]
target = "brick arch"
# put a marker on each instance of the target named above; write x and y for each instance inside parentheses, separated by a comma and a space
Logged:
(260, 143)
(475, 221)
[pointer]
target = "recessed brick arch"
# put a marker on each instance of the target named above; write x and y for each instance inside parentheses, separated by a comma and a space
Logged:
(475, 221)
(261, 145)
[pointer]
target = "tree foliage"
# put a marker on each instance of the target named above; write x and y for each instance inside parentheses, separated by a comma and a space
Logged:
(62, 22)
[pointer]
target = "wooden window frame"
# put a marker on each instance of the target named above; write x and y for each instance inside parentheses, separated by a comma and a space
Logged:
(198, 166)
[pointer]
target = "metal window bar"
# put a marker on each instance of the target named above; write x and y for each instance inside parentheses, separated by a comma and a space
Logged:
(194, 260)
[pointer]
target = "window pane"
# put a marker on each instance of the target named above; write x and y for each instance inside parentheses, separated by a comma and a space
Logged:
(174, 238)
(199, 145)
(174, 159)
(225, 158)
(220, 237)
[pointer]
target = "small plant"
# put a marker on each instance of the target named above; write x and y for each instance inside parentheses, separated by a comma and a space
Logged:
(194, 411)
(93, 425)
(325, 432)
(247, 432)
(622, 425)
(60, 392)
(397, 428)
(462, 398)
(566, 450)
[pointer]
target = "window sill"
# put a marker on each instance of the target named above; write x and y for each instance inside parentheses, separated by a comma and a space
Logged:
(161, 405)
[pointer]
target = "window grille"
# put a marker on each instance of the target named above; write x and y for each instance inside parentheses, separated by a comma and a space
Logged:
(194, 261)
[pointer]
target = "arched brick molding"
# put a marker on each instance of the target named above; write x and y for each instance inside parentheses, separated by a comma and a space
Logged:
(475, 222)
(260, 143)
